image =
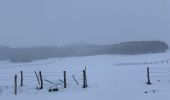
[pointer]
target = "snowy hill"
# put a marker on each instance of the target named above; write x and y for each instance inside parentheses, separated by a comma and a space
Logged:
(110, 72)
(105, 80)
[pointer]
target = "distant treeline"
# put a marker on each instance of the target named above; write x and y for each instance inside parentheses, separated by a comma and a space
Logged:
(37, 53)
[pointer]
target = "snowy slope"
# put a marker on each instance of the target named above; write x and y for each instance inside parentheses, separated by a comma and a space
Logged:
(105, 81)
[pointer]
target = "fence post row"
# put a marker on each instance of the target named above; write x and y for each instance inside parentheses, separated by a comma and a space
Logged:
(40, 80)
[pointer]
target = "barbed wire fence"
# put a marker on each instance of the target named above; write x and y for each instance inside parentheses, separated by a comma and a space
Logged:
(27, 81)
(158, 74)
(165, 61)
(154, 74)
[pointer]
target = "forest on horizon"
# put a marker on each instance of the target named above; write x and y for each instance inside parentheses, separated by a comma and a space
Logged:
(26, 54)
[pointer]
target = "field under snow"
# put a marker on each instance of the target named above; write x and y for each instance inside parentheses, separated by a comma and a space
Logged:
(109, 77)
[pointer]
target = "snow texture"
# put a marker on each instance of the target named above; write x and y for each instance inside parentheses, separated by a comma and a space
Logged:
(107, 77)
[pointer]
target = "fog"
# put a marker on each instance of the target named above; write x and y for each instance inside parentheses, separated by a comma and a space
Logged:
(61, 22)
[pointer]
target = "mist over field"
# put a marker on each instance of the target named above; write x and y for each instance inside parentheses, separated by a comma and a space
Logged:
(29, 23)
(84, 49)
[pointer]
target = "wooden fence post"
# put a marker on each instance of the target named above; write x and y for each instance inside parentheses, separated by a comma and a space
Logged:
(148, 76)
(84, 79)
(38, 80)
(41, 80)
(15, 84)
(21, 78)
(86, 75)
(65, 80)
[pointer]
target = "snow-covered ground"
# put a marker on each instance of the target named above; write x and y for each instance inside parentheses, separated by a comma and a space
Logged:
(105, 80)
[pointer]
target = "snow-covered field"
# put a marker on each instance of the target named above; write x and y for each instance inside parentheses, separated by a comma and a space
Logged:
(105, 80)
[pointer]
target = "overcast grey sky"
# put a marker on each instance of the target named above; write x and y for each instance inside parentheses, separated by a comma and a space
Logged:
(61, 22)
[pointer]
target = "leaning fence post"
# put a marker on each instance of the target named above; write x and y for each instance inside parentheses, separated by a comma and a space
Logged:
(65, 80)
(75, 80)
(38, 80)
(15, 84)
(148, 76)
(21, 78)
(41, 80)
